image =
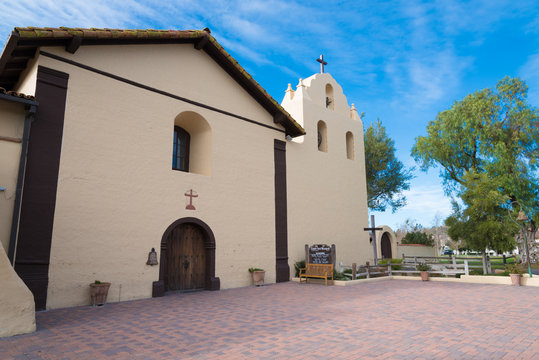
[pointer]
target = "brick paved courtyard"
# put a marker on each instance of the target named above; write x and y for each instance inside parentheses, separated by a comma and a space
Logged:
(397, 319)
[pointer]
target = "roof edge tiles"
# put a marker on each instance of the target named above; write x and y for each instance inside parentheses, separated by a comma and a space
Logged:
(16, 94)
(24, 41)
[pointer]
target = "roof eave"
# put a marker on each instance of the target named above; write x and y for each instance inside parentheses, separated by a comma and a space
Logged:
(24, 47)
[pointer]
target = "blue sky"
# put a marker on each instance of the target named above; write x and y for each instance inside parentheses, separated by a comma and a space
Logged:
(401, 61)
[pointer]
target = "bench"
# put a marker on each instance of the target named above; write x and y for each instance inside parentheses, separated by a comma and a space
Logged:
(322, 271)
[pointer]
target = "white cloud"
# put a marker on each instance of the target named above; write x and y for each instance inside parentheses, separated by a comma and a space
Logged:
(530, 73)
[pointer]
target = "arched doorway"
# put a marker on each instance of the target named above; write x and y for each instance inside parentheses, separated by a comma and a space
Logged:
(386, 246)
(188, 256)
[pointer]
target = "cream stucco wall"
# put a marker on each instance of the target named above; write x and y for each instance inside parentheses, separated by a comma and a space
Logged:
(11, 125)
(27, 80)
(117, 193)
(386, 230)
(415, 250)
(17, 315)
(326, 191)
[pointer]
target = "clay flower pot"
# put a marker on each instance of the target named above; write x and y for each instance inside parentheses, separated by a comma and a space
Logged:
(98, 293)
(424, 275)
(258, 277)
(515, 279)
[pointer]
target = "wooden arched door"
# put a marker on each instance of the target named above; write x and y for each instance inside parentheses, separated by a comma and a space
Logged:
(185, 262)
(386, 247)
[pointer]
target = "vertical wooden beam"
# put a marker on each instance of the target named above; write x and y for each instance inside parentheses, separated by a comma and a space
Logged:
(40, 184)
(281, 218)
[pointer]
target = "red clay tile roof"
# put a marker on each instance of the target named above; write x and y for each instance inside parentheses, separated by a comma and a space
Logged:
(16, 94)
(94, 33)
(24, 41)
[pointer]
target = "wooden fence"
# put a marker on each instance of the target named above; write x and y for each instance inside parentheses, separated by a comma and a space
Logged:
(439, 265)
(390, 269)
(486, 263)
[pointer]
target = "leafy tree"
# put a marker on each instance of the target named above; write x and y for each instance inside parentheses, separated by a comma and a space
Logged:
(487, 147)
(386, 175)
(416, 236)
(484, 222)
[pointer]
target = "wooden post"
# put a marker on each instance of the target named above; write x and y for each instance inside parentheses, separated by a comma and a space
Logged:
(489, 266)
(454, 262)
(504, 260)
(340, 267)
(484, 260)
(368, 270)
(333, 256)
(466, 268)
(307, 260)
(353, 271)
(415, 260)
(389, 267)
(374, 241)
(403, 257)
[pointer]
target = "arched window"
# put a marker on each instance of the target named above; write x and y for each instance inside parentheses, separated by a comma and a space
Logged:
(322, 136)
(192, 149)
(350, 153)
(330, 101)
(180, 153)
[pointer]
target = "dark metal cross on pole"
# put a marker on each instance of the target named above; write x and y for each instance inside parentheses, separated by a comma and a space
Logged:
(322, 63)
(373, 229)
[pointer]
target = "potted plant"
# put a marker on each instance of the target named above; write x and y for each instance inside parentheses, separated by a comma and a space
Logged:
(98, 293)
(515, 272)
(424, 271)
(258, 276)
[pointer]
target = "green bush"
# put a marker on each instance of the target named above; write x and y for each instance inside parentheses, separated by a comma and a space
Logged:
(339, 276)
(393, 262)
(418, 237)
(514, 269)
(299, 265)
(423, 267)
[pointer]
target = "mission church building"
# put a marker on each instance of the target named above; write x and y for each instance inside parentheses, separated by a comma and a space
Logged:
(159, 139)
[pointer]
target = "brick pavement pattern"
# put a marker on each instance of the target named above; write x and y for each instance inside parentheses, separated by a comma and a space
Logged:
(396, 319)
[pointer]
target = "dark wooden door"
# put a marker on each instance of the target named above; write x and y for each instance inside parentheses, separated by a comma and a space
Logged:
(386, 247)
(186, 259)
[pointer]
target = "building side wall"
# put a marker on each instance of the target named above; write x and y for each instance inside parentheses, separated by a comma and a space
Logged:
(17, 315)
(117, 192)
(11, 126)
(415, 250)
(28, 78)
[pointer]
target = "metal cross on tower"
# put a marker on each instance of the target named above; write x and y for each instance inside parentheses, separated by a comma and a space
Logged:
(322, 63)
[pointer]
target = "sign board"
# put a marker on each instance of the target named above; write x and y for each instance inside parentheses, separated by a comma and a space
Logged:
(320, 254)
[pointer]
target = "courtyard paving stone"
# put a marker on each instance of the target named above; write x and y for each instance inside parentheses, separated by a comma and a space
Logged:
(396, 319)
